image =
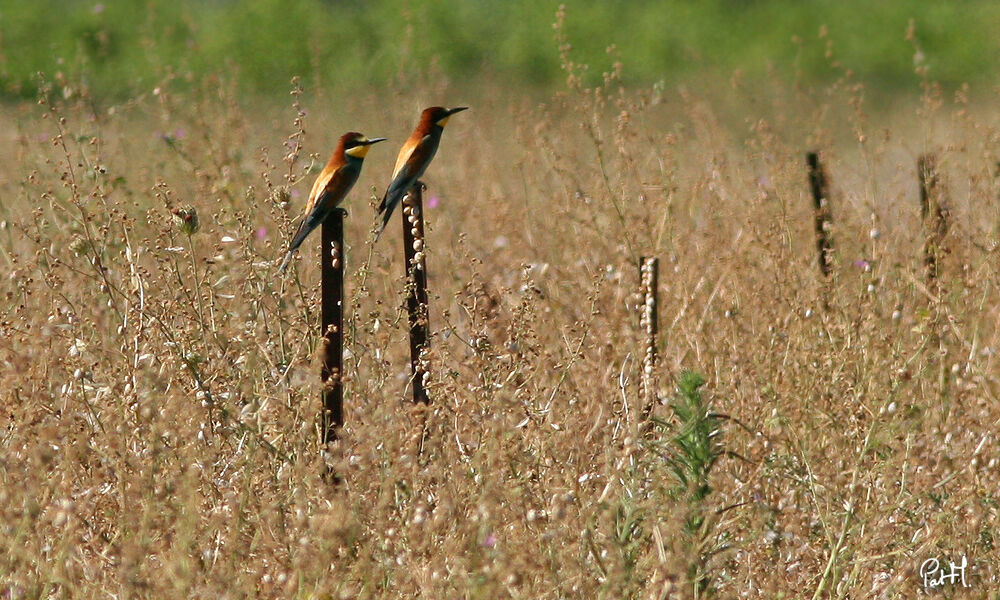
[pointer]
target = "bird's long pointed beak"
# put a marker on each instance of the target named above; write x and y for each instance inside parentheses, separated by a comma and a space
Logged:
(457, 109)
(374, 141)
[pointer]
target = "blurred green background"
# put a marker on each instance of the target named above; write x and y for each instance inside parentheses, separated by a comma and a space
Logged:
(117, 48)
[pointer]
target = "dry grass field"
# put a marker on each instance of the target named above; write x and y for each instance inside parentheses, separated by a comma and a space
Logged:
(159, 393)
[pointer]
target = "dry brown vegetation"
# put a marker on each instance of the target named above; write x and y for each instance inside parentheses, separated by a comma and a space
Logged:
(159, 395)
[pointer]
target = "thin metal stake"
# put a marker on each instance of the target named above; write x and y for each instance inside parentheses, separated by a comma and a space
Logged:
(934, 215)
(332, 327)
(416, 288)
(649, 274)
(819, 184)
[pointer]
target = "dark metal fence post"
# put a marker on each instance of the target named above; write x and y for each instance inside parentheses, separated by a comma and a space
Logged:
(934, 215)
(819, 184)
(332, 327)
(649, 278)
(416, 288)
(934, 222)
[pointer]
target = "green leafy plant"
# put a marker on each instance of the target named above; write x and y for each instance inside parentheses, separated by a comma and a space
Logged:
(692, 448)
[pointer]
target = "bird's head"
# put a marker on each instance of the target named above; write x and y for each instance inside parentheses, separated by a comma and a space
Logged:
(356, 145)
(439, 115)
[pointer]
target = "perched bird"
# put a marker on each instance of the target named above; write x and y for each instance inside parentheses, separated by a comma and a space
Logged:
(332, 185)
(414, 157)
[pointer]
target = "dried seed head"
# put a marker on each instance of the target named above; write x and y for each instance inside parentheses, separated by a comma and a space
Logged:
(186, 219)
(78, 245)
(281, 196)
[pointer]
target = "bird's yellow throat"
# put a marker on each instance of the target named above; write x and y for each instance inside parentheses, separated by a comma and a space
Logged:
(358, 151)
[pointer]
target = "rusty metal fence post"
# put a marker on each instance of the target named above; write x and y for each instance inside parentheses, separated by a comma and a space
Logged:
(820, 186)
(934, 216)
(332, 326)
(649, 324)
(416, 289)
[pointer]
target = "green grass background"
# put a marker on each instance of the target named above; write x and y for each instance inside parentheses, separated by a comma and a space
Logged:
(118, 47)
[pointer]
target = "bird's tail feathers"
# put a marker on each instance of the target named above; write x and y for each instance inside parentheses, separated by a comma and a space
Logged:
(300, 236)
(381, 227)
(385, 211)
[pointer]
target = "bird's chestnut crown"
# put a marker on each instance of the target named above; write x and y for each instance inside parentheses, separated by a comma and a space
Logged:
(441, 115)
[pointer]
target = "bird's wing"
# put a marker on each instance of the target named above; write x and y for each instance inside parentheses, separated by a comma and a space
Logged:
(330, 188)
(321, 184)
(410, 165)
(406, 152)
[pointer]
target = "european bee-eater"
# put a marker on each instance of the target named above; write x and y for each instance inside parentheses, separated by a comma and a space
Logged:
(414, 157)
(332, 185)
